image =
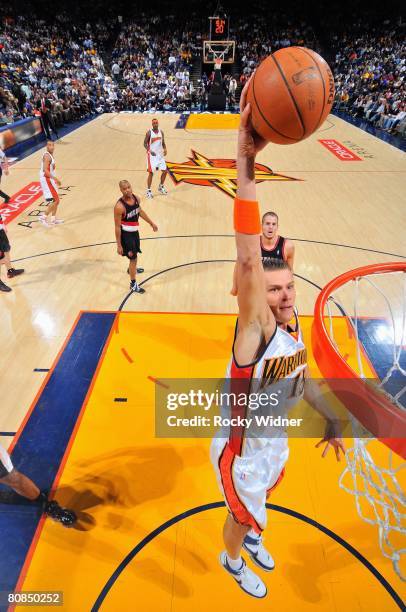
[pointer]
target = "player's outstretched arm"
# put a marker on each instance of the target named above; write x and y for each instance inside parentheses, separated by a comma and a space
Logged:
(255, 319)
(146, 218)
(332, 437)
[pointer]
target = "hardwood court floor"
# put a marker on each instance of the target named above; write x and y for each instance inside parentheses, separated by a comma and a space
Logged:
(341, 214)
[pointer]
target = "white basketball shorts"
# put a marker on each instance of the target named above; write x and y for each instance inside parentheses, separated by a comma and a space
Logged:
(155, 162)
(49, 188)
(246, 482)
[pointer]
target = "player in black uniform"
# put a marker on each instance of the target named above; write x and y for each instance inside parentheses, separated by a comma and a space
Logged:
(25, 487)
(127, 212)
(274, 246)
(5, 257)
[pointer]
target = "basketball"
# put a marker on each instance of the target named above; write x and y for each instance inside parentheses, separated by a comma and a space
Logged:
(291, 94)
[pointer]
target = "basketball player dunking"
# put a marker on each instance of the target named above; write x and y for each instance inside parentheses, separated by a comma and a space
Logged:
(272, 244)
(154, 143)
(49, 185)
(127, 212)
(247, 467)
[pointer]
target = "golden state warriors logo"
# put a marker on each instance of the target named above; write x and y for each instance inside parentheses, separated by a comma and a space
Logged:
(220, 173)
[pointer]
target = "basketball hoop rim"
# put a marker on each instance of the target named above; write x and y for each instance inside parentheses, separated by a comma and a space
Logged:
(333, 366)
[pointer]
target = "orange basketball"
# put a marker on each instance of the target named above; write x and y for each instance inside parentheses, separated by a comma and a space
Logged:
(291, 94)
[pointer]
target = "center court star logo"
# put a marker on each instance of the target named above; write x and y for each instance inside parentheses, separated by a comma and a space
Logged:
(220, 173)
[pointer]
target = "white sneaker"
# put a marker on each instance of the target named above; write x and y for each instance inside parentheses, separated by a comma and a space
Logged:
(245, 578)
(44, 221)
(258, 553)
(162, 189)
(149, 194)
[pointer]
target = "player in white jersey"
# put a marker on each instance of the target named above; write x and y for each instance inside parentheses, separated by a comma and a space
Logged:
(49, 185)
(265, 349)
(3, 167)
(154, 143)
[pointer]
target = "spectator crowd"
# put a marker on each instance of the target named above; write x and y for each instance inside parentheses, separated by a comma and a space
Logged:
(57, 63)
(153, 64)
(73, 70)
(370, 71)
(266, 33)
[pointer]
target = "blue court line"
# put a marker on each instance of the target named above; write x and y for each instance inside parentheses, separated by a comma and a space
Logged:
(380, 354)
(43, 441)
(298, 515)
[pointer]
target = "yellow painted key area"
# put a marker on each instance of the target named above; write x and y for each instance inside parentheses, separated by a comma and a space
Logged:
(127, 484)
(213, 122)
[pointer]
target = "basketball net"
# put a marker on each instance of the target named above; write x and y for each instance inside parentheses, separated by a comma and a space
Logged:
(375, 484)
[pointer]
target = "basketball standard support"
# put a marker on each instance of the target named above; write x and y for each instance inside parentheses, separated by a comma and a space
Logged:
(218, 52)
(217, 97)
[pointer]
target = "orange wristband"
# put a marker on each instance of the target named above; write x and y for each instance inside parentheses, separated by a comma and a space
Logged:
(246, 217)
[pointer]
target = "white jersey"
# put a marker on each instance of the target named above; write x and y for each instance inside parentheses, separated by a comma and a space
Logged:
(283, 358)
(155, 143)
(51, 167)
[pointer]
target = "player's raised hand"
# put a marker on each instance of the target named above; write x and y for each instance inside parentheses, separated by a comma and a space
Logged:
(249, 142)
(332, 439)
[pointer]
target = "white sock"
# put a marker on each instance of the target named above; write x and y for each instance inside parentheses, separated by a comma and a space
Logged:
(235, 564)
(253, 534)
